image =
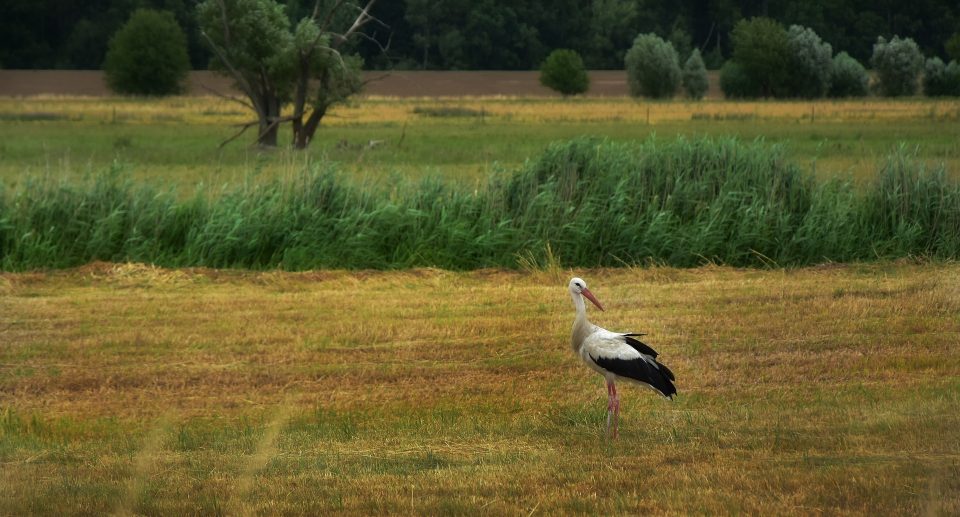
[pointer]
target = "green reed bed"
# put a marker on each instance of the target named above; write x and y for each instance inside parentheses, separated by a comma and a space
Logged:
(586, 202)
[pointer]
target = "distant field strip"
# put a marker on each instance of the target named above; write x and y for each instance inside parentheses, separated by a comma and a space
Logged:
(529, 110)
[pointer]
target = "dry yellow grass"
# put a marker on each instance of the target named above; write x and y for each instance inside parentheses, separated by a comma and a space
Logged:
(132, 388)
(523, 110)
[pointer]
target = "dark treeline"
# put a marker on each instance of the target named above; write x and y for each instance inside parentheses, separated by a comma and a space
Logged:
(494, 34)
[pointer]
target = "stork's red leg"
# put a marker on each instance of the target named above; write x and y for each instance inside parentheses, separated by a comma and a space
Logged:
(616, 410)
(612, 404)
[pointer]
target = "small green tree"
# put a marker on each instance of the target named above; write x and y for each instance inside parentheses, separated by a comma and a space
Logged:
(563, 72)
(941, 80)
(681, 40)
(695, 81)
(735, 82)
(148, 55)
(810, 62)
(761, 48)
(898, 64)
(848, 78)
(653, 67)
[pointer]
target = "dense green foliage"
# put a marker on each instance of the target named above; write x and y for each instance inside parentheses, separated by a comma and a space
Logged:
(695, 81)
(594, 202)
(735, 82)
(898, 64)
(760, 47)
(848, 78)
(941, 80)
(810, 62)
(653, 67)
(770, 61)
(148, 55)
(563, 72)
(494, 34)
(273, 62)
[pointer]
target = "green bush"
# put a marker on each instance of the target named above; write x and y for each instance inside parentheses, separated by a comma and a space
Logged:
(695, 81)
(810, 63)
(148, 55)
(563, 71)
(761, 48)
(735, 82)
(941, 80)
(653, 67)
(898, 64)
(848, 78)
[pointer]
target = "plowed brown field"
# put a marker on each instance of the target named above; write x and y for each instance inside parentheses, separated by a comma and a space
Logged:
(603, 83)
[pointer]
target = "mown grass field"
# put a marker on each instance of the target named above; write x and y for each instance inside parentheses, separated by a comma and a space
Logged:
(131, 389)
(176, 140)
(126, 388)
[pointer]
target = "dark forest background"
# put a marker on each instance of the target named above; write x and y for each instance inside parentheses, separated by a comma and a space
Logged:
(494, 34)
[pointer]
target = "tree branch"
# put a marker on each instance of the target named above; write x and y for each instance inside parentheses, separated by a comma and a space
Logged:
(362, 19)
(237, 76)
(245, 127)
(228, 97)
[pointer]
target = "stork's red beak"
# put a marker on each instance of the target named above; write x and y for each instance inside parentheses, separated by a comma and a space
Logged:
(586, 292)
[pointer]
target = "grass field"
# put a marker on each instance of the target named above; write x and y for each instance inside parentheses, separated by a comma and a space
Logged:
(176, 140)
(131, 389)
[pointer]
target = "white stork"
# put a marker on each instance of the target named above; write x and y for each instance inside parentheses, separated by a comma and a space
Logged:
(615, 355)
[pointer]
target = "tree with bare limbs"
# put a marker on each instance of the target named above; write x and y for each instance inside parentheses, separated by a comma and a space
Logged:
(274, 66)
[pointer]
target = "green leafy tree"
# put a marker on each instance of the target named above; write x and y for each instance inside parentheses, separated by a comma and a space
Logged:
(735, 82)
(941, 80)
(952, 46)
(681, 40)
(611, 27)
(695, 81)
(563, 71)
(148, 55)
(653, 68)
(273, 65)
(713, 59)
(761, 49)
(898, 64)
(848, 78)
(810, 63)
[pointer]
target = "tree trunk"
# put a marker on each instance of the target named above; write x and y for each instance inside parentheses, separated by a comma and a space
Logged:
(303, 137)
(269, 122)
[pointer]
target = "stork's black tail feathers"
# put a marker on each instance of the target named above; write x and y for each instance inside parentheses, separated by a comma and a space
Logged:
(645, 369)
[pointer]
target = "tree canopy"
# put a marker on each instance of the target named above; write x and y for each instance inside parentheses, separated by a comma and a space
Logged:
(496, 34)
(148, 55)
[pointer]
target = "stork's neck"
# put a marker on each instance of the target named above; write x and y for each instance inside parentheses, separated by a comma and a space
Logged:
(581, 326)
(579, 305)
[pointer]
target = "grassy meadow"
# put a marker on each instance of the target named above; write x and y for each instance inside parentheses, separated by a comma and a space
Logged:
(176, 140)
(142, 384)
(133, 389)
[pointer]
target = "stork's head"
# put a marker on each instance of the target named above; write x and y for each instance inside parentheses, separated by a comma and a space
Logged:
(579, 287)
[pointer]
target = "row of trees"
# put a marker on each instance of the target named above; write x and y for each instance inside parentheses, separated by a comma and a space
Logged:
(276, 63)
(772, 61)
(496, 34)
(768, 61)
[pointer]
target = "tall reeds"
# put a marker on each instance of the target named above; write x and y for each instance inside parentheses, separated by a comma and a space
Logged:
(590, 202)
